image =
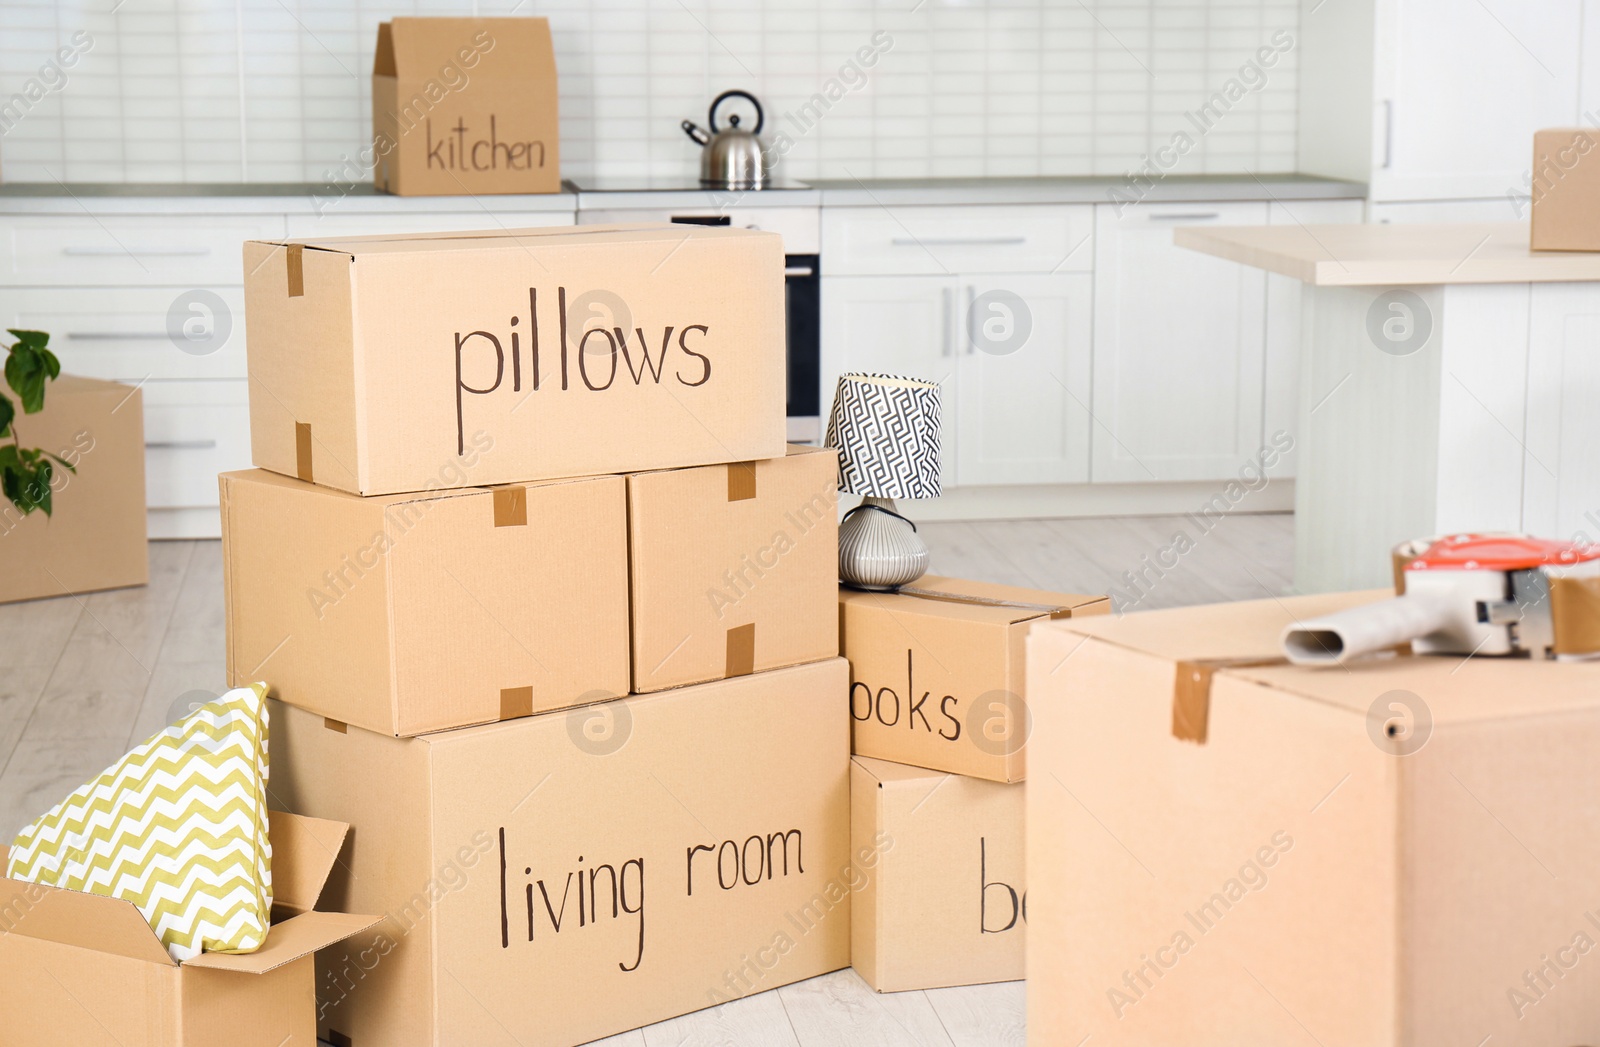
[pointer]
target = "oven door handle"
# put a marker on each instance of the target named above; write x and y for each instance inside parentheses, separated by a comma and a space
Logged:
(802, 271)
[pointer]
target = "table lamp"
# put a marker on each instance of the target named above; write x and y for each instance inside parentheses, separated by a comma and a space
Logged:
(886, 430)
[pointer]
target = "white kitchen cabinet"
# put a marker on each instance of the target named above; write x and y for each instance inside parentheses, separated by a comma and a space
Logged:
(336, 223)
(903, 325)
(1023, 379)
(1436, 99)
(948, 240)
(1011, 415)
(118, 250)
(192, 432)
(1179, 339)
(1561, 453)
(1281, 376)
(135, 334)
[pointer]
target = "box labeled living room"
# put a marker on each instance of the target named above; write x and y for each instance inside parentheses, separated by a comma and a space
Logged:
(953, 524)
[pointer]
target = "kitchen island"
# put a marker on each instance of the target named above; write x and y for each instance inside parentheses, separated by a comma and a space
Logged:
(1449, 380)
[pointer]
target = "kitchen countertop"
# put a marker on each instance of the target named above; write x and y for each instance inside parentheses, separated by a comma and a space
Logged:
(254, 198)
(1081, 190)
(307, 198)
(1387, 255)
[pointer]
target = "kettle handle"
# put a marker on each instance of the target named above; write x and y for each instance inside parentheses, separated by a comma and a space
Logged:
(711, 114)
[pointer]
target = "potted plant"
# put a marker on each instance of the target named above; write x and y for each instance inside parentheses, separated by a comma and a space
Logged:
(26, 472)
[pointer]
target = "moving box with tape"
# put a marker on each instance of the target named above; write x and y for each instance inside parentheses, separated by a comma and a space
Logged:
(379, 364)
(1230, 849)
(79, 968)
(936, 672)
(567, 876)
(948, 901)
(465, 106)
(412, 613)
(734, 568)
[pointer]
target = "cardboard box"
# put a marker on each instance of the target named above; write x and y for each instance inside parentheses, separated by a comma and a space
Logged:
(412, 613)
(95, 535)
(465, 106)
(382, 364)
(1401, 852)
(553, 880)
(80, 968)
(936, 672)
(734, 568)
(1565, 194)
(948, 902)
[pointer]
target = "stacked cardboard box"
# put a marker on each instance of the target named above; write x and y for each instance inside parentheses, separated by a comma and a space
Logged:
(941, 720)
(548, 609)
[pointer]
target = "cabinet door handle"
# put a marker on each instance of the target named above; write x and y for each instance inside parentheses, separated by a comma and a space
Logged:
(1388, 132)
(799, 270)
(179, 445)
(945, 297)
(146, 252)
(117, 336)
(957, 241)
(972, 299)
(1186, 216)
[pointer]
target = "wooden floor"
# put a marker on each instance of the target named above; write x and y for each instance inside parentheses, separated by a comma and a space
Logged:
(85, 679)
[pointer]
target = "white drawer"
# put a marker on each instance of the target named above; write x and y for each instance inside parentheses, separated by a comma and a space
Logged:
(128, 250)
(864, 241)
(130, 334)
(332, 223)
(192, 432)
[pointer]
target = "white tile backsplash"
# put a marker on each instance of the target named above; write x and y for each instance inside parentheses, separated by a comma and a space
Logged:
(277, 90)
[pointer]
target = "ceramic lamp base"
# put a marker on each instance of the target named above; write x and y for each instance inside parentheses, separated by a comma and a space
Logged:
(880, 550)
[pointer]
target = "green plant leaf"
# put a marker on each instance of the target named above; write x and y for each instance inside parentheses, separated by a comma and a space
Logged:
(25, 373)
(30, 339)
(8, 411)
(41, 493)
(9, 458)
(68, 466)
(52, 365)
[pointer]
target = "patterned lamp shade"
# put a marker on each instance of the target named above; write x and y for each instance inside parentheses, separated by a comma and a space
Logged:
(886, 430)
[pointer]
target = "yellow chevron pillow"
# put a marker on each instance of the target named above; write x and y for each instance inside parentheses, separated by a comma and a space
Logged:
(178, 827)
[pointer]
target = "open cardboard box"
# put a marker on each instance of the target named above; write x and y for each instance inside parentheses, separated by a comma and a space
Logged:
(87, 970)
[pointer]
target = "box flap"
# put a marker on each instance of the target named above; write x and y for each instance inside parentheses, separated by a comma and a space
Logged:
(88, 921)
(1248, 634)
(518, 49)
(979, 601)
(520, 239)
(303, 853)
(887, 772)
(288, 941)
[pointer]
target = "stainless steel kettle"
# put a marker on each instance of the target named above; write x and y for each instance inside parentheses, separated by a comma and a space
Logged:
(732, 158)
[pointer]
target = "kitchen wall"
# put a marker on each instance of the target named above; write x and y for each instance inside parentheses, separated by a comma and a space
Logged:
(277, 90)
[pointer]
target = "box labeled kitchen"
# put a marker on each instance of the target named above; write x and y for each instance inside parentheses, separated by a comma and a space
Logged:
(465, 106)
(94, 537)
(573, 875)
(948, 902)
(936, 672)
(412, 613)
(734, 568)
(87, 968)
(378, 365)
(1565, 194)
(1401, 850)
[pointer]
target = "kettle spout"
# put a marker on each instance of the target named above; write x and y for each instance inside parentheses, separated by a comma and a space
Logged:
(700, 137)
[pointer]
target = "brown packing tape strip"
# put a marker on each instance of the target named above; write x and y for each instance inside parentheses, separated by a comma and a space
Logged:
(515, 702)
(741, 481)
(302, 451)
(335, 725)
(1191, 693)
(982, 601)
(511, 506)
(339, 1039)
(741, 659)
(297, 270)
(1575, 614)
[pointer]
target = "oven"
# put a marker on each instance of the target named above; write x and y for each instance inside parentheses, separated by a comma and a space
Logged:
(800, 227)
